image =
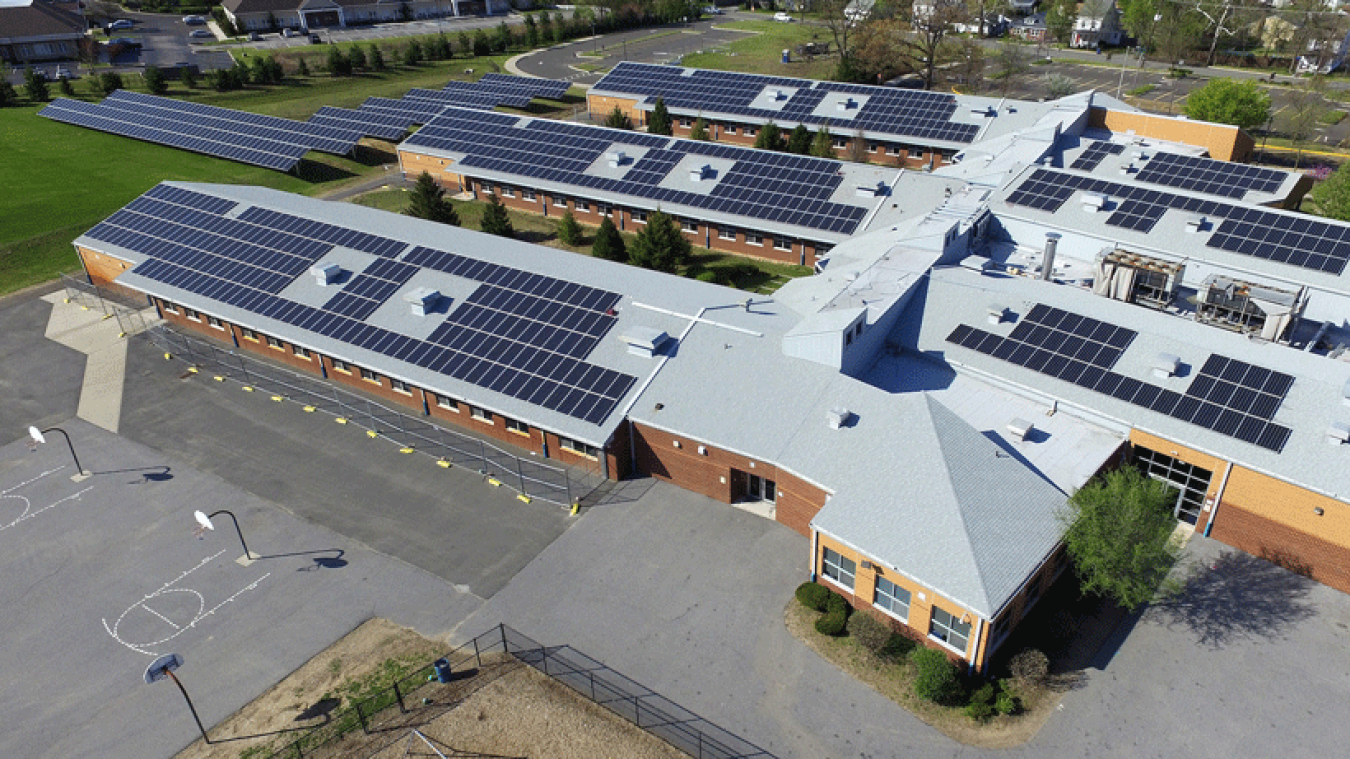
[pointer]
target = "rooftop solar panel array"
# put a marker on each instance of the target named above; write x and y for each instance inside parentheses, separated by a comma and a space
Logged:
(774, 187)
(229, 145)
(1230, 180)
(1228, 396)
(1096, 152)
(885, 110)
(518, 333)
(1283, 238)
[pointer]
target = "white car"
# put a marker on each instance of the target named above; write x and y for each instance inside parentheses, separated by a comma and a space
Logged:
(202, 34)
(194, 20)
(781, 16)
(122, 23)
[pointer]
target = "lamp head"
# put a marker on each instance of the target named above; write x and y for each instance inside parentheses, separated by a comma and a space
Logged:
(203, 520)
(37, 435)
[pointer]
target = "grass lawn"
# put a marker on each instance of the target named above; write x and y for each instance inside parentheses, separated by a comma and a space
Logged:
(745, 273)
(762, 52)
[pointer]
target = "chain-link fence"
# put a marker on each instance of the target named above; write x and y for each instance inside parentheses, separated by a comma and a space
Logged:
(129, 314)
(531, 478)
(650, 711)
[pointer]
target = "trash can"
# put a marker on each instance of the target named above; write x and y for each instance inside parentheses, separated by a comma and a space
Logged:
(442, 668)
(787, 56)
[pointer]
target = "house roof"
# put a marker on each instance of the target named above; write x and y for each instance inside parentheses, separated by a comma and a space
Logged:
(36, 20)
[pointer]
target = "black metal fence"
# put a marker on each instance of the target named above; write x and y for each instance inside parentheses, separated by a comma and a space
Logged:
(650, 711)
(91, 297)
(529, 477)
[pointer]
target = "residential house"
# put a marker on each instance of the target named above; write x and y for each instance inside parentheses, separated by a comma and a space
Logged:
(36, 31)
(1098, 24)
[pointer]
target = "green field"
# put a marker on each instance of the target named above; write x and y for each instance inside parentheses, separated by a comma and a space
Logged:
(761, 52)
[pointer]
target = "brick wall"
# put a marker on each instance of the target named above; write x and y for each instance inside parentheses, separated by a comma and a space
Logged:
(413, 164)
(1224, 142)
(1190, 456)
(601, 106)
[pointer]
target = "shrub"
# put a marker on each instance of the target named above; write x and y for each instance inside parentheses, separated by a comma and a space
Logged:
(809, 594)
(980, 707)
(1029, 670)
(711, 276)
(569, 232)
(1006, 703)
(835, 603)
(832, 623)
(897, 647)
(870, 634)
(935, 678)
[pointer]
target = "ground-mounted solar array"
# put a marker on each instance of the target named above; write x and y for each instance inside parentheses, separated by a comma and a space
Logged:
(773, 187)
(1227, 396)
(1224, 178)
(1284, 238)
(519, 333)
(534, 87)
(851, 107)
(370, 123)
(1096, 153)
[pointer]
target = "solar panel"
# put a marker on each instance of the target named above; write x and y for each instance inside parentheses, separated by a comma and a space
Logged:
(167, 131)
(553, 89)
(1095, 154)
(369, 123)
(1231, 180)
(1227, 396)
(347, 238)
(369, 290)
(1281, 237)
(883, 110)
(469, 97)
(775, 187)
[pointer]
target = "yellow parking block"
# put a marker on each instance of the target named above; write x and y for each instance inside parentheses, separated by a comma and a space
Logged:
(443, 463)
(494, 482)
(523, 497)
(406, 449)
(341, 420)
(309, 409)
(372, 433)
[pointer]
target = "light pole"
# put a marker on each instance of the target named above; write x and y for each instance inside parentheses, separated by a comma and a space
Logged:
(39, 438)
(204, 522)
(163, 667)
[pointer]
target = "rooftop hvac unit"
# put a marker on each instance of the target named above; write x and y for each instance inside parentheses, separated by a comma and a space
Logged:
(1124, 275)
(325, 274)
(1246, 307)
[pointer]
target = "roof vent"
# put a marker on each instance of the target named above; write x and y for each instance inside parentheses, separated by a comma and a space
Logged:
(870, 191)
(846, 104)
(645, 341)
(616, 158)
(1195, 225)
(1165, 365)
(325, 274)
(778, 95)
(1127, 169)
(838, 417)
(1338, 433)
(996, 314)
(697, 174)
(422, 299)
(1094, 202)
(1020, 429)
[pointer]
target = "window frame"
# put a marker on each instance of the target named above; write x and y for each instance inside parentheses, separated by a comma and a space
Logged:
(726, 233)
(783, 244)
(507, 191)
(638, 217)
(248, 334)
(399, 386)
(341, 366)
(689, 226)
(559, 201)
(579, 448)
(582, 206)
(300, 351)
(481, 414)
(529, 195)
(754, 238)
(838, 565)
(515, 426)
(191, 314)
(949, 629)
(893, 598)
(446, 402)
(215, 323)
(169, 306)
(275, 344)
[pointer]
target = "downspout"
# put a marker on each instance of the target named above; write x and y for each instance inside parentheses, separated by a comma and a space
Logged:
(979, 631)
(1218, 497)
(815, 551)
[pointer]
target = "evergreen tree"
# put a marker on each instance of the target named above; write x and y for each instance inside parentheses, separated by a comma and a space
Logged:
(569, 232)
(358, 58)
(338, 65)
(67, 89)
(466, 43)
(188, 75)
(799, 141)
(659, 122)
(545, 27)
(444, 51)
(495, 219)
(822, 146)
(617, 119)
(482, 46)
(559, 28)
(700, 130)
(427, 201)
(609, 244)
(301, 68)
(35, 86)
(503, 38)
(660, 246)
(155, 83)
(531, 32)
(769, 137)
(376, 58)
(8, 96)
(412, 54)
(109, 82)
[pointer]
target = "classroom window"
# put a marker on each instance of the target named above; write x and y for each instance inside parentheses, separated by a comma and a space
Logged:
(639, 217)
(576, 446)
(604, 209)
(301, 352)
(272, 342)
(754, 238)
(481, 414)
(193, 315)
(369, 376)
(892, 598)
(583, 206)
(726, 233)
(447, 403)
(893, 150)
(730, 129)
(508, 192)
(528, 195)
(750, 131)
(688, 225)
(342, 366)
(170, 306)
(687, 123)
(949, 629)
(214, 322)
(514, 425)
(248, 334)
(400, 386)
(839, 143)
(560, 201)
(838, 567)
(782, 243)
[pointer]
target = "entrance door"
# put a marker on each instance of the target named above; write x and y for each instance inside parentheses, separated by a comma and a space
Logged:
(761, 489)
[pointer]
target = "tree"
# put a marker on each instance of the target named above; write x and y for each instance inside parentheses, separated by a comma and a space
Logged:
(1011, 63)
(822, 145)
(857, 147)
(338, 64)
(375, 57)
(67, 88)
(412, 54)
(301, 68)
(466, 43)
(35, 86)
(427, 201)
(155, 83)
(1060, 18)
(924, 48)
(1057, 86)
(659, 122)
(770, 137)
(617, 119)
(1229, 101)
(1119, 536)
(799, 141)
(660, 246)
(609, 244)
(495, 219)
(699, 131)
(559, 28)
(1302, 113)
(531, 31)
(545, 27)
(358, 58)
(482, 46)
(444, 51)
(569, 231)
(8, 96)
(188, 75)
(108, 82)
(502, 40)
(1332, 195)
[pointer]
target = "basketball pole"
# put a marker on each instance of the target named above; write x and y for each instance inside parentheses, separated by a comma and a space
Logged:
(188, 699)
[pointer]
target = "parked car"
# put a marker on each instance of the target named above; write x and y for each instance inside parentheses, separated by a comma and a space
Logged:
(289, 32)
(315, 39)
(713, 10)
(122, 23)
(781, 16)
(202, 34)
(194, 20)
(124, 43)
(254, 37)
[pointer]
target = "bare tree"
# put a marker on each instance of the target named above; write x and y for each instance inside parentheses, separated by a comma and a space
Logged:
(1302, 112)
(1011, 63)
(931, 21)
